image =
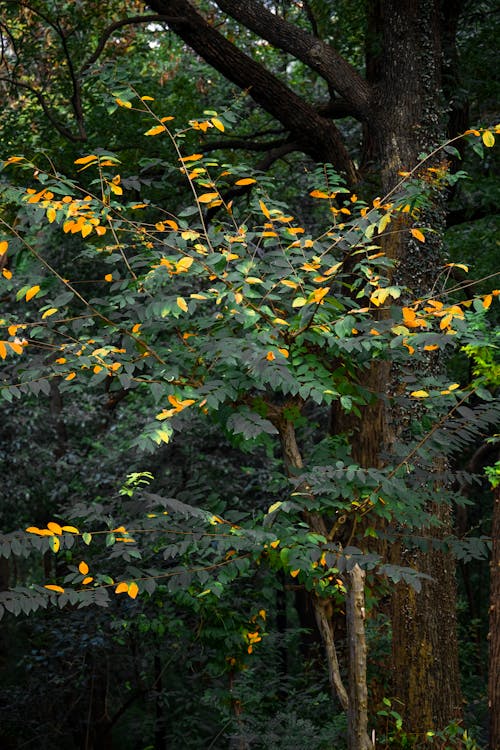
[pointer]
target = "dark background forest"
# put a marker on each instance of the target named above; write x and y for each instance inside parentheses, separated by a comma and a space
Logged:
(290, 97)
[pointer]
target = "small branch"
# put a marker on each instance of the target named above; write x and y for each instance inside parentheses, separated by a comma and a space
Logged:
(152, 18)
(326, 630)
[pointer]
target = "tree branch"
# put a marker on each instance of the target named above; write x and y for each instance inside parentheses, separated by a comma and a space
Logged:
(107, 33)
(315, 135)
(316, 54)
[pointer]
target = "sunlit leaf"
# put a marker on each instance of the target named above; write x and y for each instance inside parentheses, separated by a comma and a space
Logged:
(121, 588)
(54, 527)
(218, 124)
(133, 590)
(181, 302)
(87, 159)
(488, 138)
(32, 292)
(208, 197)
(53, 587)
(83, 568)
(49, 312)
(417, 234)
(156, 130)
(245, 181)
(419, 394)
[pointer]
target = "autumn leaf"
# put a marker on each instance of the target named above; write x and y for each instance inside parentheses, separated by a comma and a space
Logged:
(87, 159)
(245, 181)
(181, 302)
(156, 130)
(121, 588)
(419, 394)
(417, 234)
(53, 587)
(218, 124)
(54, 543)
(49, 312)
(83, 568)
(208, 197)
(488, 138)
(32, 292)
(54, 527)
(133, 590)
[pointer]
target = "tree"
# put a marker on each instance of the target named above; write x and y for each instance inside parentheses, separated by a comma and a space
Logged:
(395, 74)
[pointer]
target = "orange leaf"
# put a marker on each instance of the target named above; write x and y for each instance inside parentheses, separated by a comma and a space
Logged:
(51, 587)
(87, 579)
(86, 159)
(156, 130)
(32, 292)
(54, 527)
(133, 590)
(121, 588)
(3, 247)
(417, 234)
(181, 302)
(83, 568)
(245, 181)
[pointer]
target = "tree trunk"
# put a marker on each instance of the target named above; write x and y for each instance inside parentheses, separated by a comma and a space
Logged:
(425, 652)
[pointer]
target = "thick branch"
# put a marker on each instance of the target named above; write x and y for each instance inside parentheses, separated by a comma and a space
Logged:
(316, 54)
(325, 628)
(315, 135)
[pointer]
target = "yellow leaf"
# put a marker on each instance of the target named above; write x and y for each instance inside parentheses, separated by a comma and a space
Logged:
(17, 348)
(276, 541)
(218, 124)
(86, 159)
(264, 209)
(181, 302)
(133, 590)
(122, 103)
(32, 530)
(87, 228)
(70, 376)
(6, 273)
(32, 292)
(3, 350)
(156, 130)
(283, 351)
(299, 302)
(70, 529)
(318, 194)
(116, 189)
(121, 588)
(208, 197)
(54, 543)
(51, 214)
(147, 99)
(488, 138)
(253, 280)
(172, 224)
(166, 119)
(487, 300)
(270, 356)
(417, 234)
(190, 234)
(318, 295)
(108, 277)
(183, 264)
(419, 394)
(192, 157)
(431, 347)
(87, 579)
(49, 312)
(295, 573)
(54, 527)
(245, 181)
(52, 587)
(281, 322)
(83, 568)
